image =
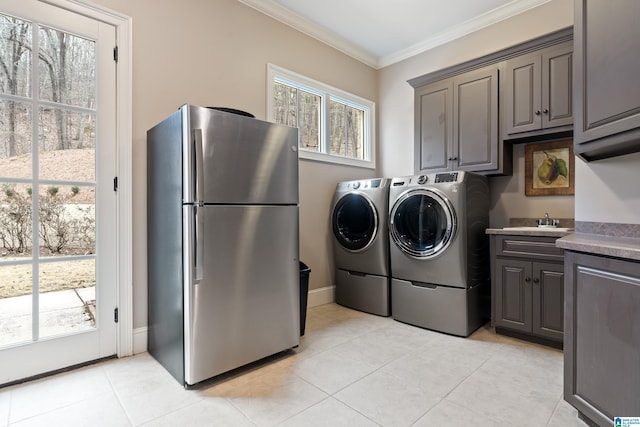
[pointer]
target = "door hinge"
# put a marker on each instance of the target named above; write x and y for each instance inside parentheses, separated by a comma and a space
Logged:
(115, 315)
(115, 53)
(115, 184)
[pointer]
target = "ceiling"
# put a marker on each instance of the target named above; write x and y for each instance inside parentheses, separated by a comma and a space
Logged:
(383, 32)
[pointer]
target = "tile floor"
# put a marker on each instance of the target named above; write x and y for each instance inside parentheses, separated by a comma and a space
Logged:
(351, 369)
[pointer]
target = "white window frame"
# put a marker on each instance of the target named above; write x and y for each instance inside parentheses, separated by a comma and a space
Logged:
(326, 92)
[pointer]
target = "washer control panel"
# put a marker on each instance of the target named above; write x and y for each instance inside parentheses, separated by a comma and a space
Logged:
(362, 185)
(447, 177)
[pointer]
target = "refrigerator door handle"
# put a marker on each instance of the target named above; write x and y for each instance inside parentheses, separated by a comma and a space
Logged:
(198, 244)
(198, 169)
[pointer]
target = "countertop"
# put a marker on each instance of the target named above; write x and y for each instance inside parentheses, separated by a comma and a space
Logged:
(599, 244)
(607, 239)
(539, 232)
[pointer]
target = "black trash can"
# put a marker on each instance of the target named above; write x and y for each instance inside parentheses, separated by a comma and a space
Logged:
(304, 292)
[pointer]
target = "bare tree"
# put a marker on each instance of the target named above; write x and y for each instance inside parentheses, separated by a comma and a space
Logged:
(15, 44)
(54, 56)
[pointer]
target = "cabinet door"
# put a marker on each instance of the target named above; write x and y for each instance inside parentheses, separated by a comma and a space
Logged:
(602, 345)
(523, 94)
(607, 66)
(475, 119)
(513, 294)
(557, 86)
(433, 126)
(548, 300)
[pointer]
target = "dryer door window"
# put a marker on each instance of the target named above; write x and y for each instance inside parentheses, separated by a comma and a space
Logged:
(422, 223)
(355, 222)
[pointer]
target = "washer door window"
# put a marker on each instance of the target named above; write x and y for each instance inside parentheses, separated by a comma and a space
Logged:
(422, 223)
(355, 222)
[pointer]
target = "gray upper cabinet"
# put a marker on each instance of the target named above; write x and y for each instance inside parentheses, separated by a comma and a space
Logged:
(475, 120)
(434, 126)
(538, 92)
(456, 123)
(459, 118)
(607, 66)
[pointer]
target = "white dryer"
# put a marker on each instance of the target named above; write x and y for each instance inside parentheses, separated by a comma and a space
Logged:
(439, 252)
(361, 245)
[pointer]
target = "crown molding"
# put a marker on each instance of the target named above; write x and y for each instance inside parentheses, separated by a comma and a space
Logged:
(312, 29)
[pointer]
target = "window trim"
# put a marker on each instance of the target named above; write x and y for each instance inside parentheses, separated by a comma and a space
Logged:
(279, 74)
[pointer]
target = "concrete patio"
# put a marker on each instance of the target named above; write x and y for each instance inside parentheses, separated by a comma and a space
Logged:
(60, 312)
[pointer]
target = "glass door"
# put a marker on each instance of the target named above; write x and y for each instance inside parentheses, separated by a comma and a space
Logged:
(422, 223)
(355, 222)
(57, 208)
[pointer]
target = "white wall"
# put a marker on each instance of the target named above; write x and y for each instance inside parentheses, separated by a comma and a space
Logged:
(215, 52)
(609, 190)
(396, 107)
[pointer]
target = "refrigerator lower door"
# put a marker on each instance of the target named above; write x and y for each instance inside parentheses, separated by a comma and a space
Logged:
(242, 302)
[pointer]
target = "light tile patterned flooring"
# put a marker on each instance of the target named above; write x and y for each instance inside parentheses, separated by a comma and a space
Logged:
(351, 369)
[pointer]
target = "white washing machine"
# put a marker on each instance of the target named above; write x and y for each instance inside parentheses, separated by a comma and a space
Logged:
(439, 252)
(361, 245)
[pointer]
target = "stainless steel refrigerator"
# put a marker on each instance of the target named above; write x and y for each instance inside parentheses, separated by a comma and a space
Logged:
(222, 222)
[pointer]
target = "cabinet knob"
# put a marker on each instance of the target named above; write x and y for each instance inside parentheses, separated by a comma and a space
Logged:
(527, 279)
(537, 112)
(545, 111)
(536, 280)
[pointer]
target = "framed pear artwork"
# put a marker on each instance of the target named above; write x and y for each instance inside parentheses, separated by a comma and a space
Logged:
(549, 169)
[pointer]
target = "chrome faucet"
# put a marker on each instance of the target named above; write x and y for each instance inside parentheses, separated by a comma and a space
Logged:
(546, 222)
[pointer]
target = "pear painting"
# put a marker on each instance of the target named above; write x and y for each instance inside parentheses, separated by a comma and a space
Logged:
(550, 168)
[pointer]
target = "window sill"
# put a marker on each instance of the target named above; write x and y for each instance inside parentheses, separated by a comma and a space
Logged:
(336, 160)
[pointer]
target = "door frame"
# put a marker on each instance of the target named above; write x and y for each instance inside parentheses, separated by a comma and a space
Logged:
(124, 132)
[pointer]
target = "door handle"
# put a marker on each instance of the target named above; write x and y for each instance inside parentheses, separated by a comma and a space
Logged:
(198, 246)
(198, 169)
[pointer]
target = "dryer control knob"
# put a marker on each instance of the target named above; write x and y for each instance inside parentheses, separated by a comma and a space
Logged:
(422, 179)
(356, 185)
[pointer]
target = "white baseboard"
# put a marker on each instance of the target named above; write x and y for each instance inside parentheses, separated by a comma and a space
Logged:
(315, 298)
(140, 340)
(321, 296)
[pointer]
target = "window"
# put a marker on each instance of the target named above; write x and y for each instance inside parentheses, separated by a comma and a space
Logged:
(333, 125)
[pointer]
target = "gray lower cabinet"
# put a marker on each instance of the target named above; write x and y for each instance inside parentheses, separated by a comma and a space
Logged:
(528, 287)
(538, 92)
(607, 66)
(456, 123)
(602, 337)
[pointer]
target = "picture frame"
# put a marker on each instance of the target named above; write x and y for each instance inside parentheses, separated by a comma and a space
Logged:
(549, 169)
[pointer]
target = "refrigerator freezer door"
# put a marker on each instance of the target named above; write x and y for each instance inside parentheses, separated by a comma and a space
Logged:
(246, 304)
(244, 160)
